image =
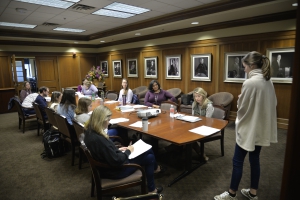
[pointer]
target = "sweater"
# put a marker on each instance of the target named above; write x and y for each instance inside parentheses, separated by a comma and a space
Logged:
(68, 113)
(90, 91)
(256, 122)
(199, 111)
(161, 96)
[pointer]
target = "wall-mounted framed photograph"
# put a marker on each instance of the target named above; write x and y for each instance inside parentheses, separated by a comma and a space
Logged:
(282, 63)
(104, 68)
(201, 67)
(132, 68)
(150, 66)
(173, 67)
(117, 68)
(234, 69)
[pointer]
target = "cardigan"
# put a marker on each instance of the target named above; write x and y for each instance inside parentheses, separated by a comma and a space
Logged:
(90, 91)
(161, 96)
(256, 122)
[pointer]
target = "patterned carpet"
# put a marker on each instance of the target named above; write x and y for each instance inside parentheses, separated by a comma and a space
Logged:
(25, 175)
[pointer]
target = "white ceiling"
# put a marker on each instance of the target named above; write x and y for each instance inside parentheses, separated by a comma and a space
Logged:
(37, 15)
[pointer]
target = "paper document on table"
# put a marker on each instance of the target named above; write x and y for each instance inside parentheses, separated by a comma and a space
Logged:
(138, 124)
(139, 147)
(139, 106)
(204, 130)
(110, 102)
(189, 118)
(118, 120)
(178, 115)
(128, 110)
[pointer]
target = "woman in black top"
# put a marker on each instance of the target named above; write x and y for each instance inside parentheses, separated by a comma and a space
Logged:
(104, 150)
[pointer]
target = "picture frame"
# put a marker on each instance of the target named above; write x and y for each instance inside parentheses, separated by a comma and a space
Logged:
(173, 67)
(132, 68)
(282, 64)
(150, 66)
(117, 68)
(201, 67)
(234, 69)
(104, 68)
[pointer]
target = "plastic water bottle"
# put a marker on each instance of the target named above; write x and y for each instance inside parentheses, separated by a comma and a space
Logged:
(172, 111)
(93, 97)
(145, 123)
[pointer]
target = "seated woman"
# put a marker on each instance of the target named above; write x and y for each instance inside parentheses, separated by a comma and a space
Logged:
(201, 106)
(83, 108)
(103, 149)
(155, 95)
(125, 90)
(25, 91)
(55, 100)
(79, 88)
(89, 89)
(67, 105)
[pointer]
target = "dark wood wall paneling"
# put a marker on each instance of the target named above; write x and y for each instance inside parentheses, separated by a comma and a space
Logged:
(5, 95)
(69, 71)
(5, 77)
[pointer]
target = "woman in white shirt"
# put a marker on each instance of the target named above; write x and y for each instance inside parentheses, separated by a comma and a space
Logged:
(125, 91)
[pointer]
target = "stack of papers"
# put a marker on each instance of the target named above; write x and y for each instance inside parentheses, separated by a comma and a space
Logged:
(118, 120)
(126, 108)
(110, 102)
(204, 130)
(189, 118)
(139, 147)
(139, 106)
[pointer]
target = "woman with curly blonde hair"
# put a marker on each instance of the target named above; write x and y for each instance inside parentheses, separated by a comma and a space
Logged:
(202, 106)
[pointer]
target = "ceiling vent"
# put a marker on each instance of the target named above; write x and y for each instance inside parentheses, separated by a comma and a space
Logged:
(49, 24)
(81, 7)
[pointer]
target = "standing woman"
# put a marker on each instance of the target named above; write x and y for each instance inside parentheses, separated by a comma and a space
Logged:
(67, 105)
(25, 91)
(55, 100)
(89, 89)
(155, 95)
(125, 90)
(256, 123)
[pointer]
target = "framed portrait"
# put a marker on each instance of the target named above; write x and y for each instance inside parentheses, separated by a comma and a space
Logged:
(117, 68)
(104, 68)
(132, 68)
(234, 69)
(150, 66)
(201, 67)
(282, 64)
(173, 67)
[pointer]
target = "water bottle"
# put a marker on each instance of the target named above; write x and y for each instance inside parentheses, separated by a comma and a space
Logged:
(145, 123)
(172, 111)
(101, 101)
(93, 96)
(124, 99)
(102, 95)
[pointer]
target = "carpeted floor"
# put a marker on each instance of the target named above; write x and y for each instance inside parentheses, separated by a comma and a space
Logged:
(25, 175)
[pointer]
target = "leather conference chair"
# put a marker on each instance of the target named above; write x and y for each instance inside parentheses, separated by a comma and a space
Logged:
(40, 118)
(50, 114)
(103, 185)
(165, 106)
(140, 92)
(68, 132)
(111, 95)
(22, 116)
(175, 92)
(219, 113)
(223, 99)
(79, 129)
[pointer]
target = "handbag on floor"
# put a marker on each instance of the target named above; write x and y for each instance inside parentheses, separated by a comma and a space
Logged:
(53, 144)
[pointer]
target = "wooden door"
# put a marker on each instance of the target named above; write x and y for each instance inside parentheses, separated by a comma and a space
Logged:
(47, 73)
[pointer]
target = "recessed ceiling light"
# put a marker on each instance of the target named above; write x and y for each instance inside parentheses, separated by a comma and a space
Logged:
(21, 10)
(295, 4)
(126, 8)
(111, 13)
(102, 41)
(69, 30)
(137, 34)
(76, 42)
(52, 3)
(17, 25)
(195, 23)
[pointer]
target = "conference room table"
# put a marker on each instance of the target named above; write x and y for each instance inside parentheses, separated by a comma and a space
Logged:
(164, 127)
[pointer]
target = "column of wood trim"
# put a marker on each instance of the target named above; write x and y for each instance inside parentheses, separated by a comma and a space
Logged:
(216, 64)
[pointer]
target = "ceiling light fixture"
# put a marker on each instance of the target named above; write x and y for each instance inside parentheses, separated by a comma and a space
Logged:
(17, 25)
(52, 3)
(137, 34)
(126, 8)
(195, 23)
(69, 30)
(295, 4)
(111, 13)
(76, 42)
(102, 41)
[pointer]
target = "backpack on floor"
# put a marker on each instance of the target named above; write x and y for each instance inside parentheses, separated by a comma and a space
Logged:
(53, 144)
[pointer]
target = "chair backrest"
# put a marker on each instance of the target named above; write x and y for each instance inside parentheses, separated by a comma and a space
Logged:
(19, 109)
(62, 124)
(38, 112)
(112, 96)
(79, 128)
(140, 91)
(50, 114)
(175, 92)
(219, 112)
(165, 106)
(223, 99)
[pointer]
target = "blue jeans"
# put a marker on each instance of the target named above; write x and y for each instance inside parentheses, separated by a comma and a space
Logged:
(238, 161)
(146, 160)
(28, 111)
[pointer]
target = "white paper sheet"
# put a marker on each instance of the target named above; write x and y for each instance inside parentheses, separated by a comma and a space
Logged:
(128, 110)
(138, 124)
(118, 120)
(189, 118)
(139, 147)
(110, 102)
(139, 106)
(204, 130)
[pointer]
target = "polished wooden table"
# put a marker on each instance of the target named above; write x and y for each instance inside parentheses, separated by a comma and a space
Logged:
(172, 130)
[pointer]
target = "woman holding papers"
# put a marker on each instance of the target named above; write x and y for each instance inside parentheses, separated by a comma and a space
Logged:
(125, 90)
(255, 125)
(155, 95)
(201, 107)
(103, 149)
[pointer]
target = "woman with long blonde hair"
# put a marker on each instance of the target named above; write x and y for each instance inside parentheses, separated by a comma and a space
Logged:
(202, 106)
